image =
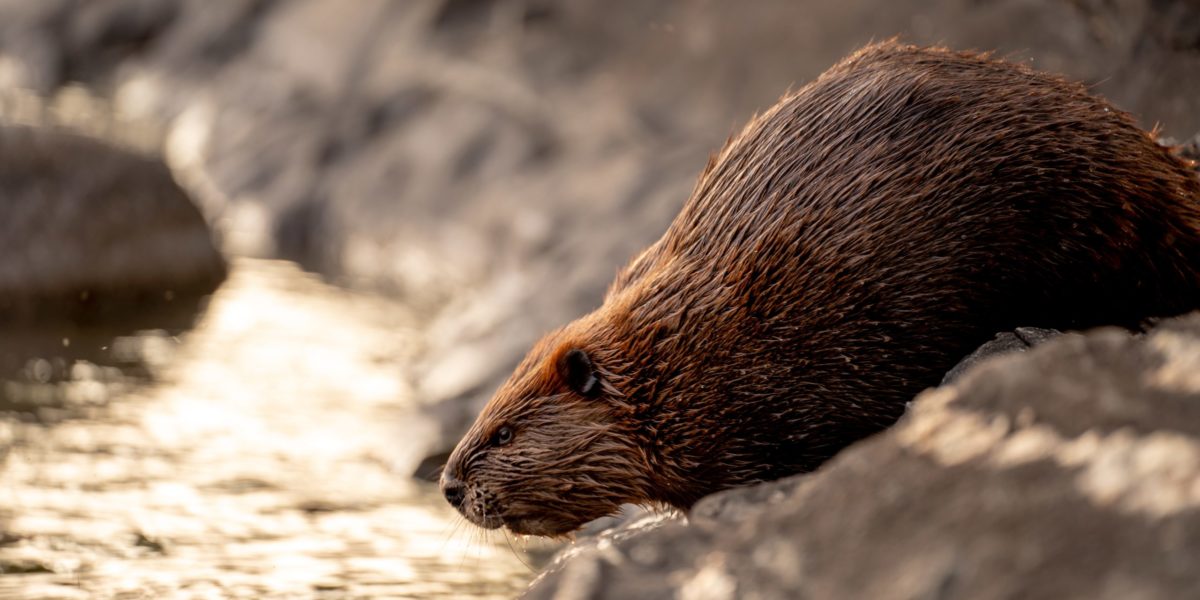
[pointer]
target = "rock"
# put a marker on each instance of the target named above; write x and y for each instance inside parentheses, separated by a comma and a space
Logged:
(88, 229)
(1018, 340)
(1069, 470)
(430, 467)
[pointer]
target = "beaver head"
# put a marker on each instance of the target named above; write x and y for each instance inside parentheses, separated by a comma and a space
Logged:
(556, 447)
(640, 402)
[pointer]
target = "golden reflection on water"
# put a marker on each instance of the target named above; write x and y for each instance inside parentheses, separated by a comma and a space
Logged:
(260, 461)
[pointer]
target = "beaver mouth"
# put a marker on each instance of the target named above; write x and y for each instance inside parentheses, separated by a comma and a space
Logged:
(484, 519)
(480, 516)
(534, 525)
(489, 522)
(521, 524)
(482, 511)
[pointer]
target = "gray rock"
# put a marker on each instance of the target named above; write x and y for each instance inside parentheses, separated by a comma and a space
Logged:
(1070, 470)
(88, 229)
(1018, 340)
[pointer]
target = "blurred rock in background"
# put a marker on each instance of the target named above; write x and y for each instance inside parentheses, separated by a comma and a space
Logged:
(493, 163)
(92, 232)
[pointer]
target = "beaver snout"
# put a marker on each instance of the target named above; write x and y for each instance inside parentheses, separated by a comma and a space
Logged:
(471, 501)
(454, 490)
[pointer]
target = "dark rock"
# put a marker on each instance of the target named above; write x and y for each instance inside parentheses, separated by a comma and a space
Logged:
(1018, 340)
(430, 467)
(1070, 470)
(88, 230)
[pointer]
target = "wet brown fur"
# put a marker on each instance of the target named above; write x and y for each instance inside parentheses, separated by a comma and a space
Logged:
(839, 255)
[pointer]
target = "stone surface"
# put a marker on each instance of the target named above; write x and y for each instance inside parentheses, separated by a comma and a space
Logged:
(1018, 340)
(1069, 470)
(87, 229)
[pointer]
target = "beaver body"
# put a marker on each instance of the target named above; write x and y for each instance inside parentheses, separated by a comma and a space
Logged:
(839, 255)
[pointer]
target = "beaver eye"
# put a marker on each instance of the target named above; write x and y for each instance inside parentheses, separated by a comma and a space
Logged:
(502, 436)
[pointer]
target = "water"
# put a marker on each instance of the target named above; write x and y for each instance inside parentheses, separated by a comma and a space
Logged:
(253, 456)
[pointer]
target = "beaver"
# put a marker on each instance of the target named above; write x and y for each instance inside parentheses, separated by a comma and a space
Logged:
(835, 258)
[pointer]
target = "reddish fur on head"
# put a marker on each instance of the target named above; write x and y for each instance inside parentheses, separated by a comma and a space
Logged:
(574, 454)
(836, 257)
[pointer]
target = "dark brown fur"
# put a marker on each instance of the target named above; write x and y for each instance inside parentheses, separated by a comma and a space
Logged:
(838, 256)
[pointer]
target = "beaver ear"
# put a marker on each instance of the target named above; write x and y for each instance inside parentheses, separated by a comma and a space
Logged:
(578, 372)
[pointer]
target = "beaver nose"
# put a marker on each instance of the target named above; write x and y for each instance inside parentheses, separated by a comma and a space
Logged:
(454, 490)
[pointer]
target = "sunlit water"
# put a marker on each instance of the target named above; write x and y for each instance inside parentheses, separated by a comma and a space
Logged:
(254, 456)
